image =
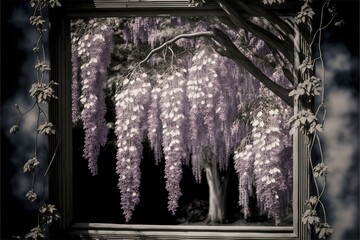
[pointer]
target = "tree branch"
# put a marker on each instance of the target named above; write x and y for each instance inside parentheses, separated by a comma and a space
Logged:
(288, 74)
(224, 46)
(285, 47)
(173, 40)
(279, 24)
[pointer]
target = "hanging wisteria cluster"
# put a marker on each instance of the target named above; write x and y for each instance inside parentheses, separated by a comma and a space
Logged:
(173, 107)
(263, 160)
(191, 109)
(92, 52)
(130, 127)
(213, 101)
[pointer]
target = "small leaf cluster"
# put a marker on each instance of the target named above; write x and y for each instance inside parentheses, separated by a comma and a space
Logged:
(306, 121)
(35, 233)
(311, 218)
(42, 66)
(196, 3)
(324, 230)
(49, 213)
(310, 87)
(306, 66)
(47, 128)
(51, 3)
(273, 1)
(320, 170)
(31, 196)
(43, 92)
(306, 13)
(14, 129)
(31, 164)
(36, 21)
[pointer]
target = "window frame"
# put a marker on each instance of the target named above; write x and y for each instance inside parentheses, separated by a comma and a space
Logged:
(61, 177)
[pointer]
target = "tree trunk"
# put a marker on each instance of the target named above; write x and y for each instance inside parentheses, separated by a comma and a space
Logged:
(217, 192)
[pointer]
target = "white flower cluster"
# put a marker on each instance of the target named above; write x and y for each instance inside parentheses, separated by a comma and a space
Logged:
(173, 104)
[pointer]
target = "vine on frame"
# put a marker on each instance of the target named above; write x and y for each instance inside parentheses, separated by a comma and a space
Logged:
(311, 122)
(42, 93)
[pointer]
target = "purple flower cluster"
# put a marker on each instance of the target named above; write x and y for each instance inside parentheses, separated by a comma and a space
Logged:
(94, 51)
(173, 107)
(212, 98)
(130, 129)
(262, 162)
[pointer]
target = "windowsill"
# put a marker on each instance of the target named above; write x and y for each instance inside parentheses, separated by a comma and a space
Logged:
(102, 230)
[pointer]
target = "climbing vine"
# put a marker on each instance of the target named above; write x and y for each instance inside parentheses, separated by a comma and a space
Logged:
(310, 122)
(42, 93)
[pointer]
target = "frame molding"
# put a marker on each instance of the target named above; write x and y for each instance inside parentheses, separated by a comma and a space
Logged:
(61, 177)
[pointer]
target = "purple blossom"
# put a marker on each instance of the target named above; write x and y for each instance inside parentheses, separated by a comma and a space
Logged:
(130, 130)
(95, 52)
(263, 158)
(174, 124)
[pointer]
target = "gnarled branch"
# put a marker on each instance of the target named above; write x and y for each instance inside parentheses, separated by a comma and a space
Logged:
(224, 46)
(285, 47)
(173, 40)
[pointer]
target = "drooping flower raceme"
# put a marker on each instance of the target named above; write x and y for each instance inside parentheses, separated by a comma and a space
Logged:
(130, 130)
(264, 162)
(173, 105)
(212, 98)
(95, 53)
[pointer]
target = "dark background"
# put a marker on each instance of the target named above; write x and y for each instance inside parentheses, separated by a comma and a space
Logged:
(341, 53)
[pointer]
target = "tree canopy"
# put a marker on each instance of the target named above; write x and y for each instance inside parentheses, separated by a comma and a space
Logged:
(191, 96)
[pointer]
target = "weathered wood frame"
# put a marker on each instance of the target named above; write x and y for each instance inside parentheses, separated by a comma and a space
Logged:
(61, 177)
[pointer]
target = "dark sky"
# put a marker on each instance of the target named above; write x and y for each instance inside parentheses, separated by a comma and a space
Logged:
(341, 52)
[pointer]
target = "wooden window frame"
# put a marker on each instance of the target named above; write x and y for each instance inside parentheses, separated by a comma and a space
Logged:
(61, 177)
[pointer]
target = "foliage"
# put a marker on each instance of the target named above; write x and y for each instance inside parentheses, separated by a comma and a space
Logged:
(42, 93)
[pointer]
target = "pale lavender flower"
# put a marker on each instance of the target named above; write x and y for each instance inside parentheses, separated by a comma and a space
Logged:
(130, 130)
(95, 51)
